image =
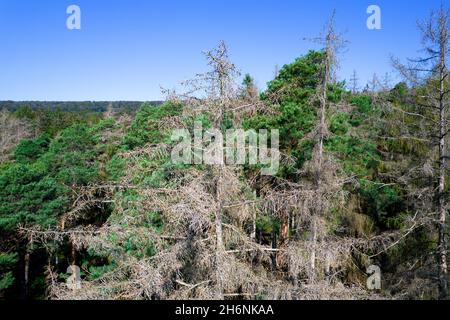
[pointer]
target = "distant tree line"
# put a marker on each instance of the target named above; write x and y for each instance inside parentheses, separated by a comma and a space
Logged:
(75, 106)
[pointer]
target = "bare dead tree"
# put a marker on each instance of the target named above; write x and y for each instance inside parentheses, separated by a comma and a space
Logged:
(12, 131)
(354, 82)
(429, 75)
(219, 84)
(374, 84)
(333, 42)
(386, 83)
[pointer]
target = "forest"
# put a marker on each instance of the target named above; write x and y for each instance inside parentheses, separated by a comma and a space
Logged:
(92, 207)
(74, 106)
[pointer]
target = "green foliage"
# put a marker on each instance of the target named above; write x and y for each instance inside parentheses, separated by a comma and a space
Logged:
(6, 281)
(115, 168)
(29, 150)
(7, 262)
(248, 81)
(383, 203)
(363, 103)
(72, 156)
(354, 144)
(139, 247)
(399, 93)
(96, 272)
(35, 188)
(145, 128)
(154, 221)
(29, 196)
(339, 123)
(295, 86)
(105, 124)
(7, 259)
(336, 92)
(53, 121)
(358, 156)
(73, 106)
(202, 119)
(266, 226)
(298, 79)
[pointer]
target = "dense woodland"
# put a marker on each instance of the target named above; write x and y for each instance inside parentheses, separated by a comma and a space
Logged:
(74, 106)
(363, 181)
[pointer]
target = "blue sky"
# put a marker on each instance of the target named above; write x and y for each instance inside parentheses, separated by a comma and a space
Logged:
(127, 49)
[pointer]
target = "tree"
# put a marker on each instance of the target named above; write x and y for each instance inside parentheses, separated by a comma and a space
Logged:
(332, 42)
(12, 131)
(7, 262)
(249, 91)
(354, 82)
(374, 85)
(429, 76)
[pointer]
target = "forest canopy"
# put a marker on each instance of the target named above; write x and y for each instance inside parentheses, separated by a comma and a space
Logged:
(363, 182)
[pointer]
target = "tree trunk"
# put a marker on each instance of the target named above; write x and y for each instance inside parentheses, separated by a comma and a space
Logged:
(26, 274)
(283, 240)
(284, 231)
(220, 248)
(253, 234)
(323, 107)
(274, 254)
(27, 261)
(219, 253)
(312, 277)
(442, 244)
(73, 253)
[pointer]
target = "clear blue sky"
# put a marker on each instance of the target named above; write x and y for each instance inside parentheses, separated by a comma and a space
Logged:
(126, 49)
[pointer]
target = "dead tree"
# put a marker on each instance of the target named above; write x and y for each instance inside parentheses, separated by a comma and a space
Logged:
(386, 84)
(12, 131)
(249, 89)
(219, 84)
(354, 82)
(332, 42)
(221, 81)
(429, 77)
(374, 85)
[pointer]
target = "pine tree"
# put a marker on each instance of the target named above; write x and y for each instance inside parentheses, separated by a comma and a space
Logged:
(429, 76)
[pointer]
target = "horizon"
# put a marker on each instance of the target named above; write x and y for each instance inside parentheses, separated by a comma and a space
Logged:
(18, 101)
(126, 52)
